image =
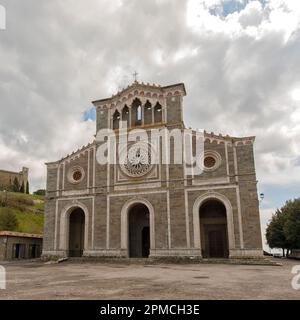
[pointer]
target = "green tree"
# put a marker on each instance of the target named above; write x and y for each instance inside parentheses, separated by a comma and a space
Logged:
(27, 187)
(16, 185)
(40, 192)
(292, 225)
(8, 220)
(275, 231)
(22, 187)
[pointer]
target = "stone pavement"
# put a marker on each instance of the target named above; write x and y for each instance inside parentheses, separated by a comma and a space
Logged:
(94, 280)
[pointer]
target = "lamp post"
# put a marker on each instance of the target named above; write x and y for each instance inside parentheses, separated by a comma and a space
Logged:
(261, 197)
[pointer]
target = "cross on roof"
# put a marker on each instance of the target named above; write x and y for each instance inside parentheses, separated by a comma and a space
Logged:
(135, 74)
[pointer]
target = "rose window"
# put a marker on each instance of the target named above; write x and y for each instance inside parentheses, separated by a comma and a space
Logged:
(77, 175)
(209, 162)
(137, 163)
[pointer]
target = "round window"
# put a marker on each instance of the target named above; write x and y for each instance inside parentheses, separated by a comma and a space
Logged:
(209, 162)
(75, 174)
(137, 160)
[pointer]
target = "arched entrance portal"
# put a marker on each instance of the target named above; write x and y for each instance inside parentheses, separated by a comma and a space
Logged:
(76, 232)
(213, 229)
(139, 231)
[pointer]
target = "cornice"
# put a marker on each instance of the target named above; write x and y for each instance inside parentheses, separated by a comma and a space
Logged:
(143, 91)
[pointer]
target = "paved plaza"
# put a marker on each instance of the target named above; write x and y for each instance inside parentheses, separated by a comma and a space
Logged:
(94, 280)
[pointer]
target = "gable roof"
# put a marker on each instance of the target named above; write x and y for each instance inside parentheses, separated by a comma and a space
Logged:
(144, 86)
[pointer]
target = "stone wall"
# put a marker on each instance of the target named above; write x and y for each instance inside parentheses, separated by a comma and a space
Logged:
(173, 203)
(247, 185)
(7, 179)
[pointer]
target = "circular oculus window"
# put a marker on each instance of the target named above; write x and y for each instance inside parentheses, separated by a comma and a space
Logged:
(211, 160)
(137, 162)
(76, 175)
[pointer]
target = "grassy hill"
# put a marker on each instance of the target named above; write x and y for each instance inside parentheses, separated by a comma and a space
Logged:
(29, 210)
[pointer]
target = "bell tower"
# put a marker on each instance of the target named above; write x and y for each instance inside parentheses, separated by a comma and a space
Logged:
(142, 105)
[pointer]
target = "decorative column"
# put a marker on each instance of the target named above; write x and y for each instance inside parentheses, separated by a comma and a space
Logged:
(120, 120)
(152, 109)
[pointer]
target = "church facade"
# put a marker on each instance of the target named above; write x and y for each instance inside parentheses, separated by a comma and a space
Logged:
(138, 209)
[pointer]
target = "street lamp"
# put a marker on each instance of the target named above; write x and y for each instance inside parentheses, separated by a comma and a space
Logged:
(261, 196)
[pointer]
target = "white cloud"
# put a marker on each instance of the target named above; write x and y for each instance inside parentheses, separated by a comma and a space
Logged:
(252, 15)
(295, 94)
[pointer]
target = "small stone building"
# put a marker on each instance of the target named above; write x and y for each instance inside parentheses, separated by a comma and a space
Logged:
(7, 179)
(157, 210)
(17, 245)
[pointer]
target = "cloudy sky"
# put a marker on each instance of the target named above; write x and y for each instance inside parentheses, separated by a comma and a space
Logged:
(239, 60)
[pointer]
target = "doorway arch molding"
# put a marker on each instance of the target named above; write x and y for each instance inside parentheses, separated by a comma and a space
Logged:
(124, 222)
(229, 217)
(65, 224)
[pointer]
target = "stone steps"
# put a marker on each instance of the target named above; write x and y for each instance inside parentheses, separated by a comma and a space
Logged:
(173, 260)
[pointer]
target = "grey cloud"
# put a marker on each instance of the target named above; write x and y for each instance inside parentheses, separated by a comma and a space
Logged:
(56, 56)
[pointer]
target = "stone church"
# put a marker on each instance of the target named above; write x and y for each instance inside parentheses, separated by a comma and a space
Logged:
(143, 210)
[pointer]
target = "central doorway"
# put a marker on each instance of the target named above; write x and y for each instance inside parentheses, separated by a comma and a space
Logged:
(76, 233)
(139, 231)
(213, 229)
